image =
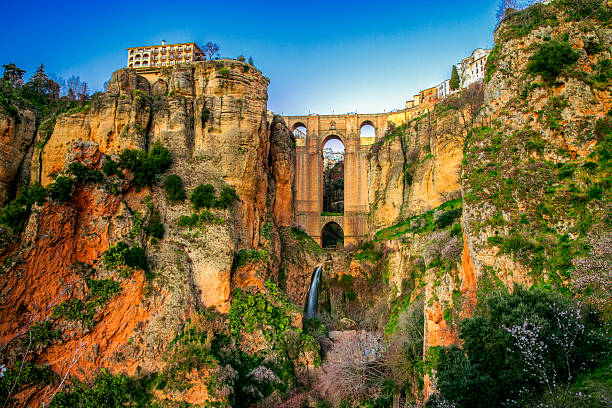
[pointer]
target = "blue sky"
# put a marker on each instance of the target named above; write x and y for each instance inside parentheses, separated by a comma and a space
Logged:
(321, 57)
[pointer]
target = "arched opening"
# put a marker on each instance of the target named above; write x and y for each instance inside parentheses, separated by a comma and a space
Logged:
(333, 176)
(299, 130)
(332, 236)
(367, 129)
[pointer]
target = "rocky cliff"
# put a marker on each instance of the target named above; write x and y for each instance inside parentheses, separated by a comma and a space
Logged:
(65, 267)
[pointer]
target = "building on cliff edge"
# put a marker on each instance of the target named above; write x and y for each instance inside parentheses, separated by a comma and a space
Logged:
(471, 70)
(157, 56)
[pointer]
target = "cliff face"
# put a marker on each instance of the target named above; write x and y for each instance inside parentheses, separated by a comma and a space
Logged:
(16, 136)
(212, 119)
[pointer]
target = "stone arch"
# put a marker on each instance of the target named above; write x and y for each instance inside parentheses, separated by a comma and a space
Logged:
(299, 130)
(332, 235)
(367, 129)
(331, 137)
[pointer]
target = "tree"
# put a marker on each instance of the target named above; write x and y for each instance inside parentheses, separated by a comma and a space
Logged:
(468, 104)
(39, 79)
(455, 82)
(211, 50)
(13, 74)
(251, 61)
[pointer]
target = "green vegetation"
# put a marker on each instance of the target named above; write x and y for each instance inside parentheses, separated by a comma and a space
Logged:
(447, 213)
(145, 166)
(517, 347)
(83, 174)
(246, 256)
(107, 391)
(199, 220)
(100, 292)
(551, 59)
(120, 254)
(16, 213)
(306, 240)
(367, 252)
(154, 226)
(41, 334)
(580, 10)
(331, 214)
(175, 191)
(61, 189)
(111, 168)
(203, 196)
(523, 22)
(21, 376)
(265, 230)
(455, 82)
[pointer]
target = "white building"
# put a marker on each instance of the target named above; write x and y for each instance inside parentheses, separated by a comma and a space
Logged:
(472, 68)
(444, 89)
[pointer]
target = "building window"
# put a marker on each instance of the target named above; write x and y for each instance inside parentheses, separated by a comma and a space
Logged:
(164, 49)
(163, 57)
(131, 51)
(163, 64)
(180, 48)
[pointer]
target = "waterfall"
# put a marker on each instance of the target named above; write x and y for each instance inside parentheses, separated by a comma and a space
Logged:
(312, 301)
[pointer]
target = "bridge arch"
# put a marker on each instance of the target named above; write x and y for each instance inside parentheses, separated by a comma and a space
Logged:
(332, 235)
(367, 129)
(299, 130)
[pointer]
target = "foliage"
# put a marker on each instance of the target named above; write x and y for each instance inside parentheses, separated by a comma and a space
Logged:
(265, 230)
(120, 254)
(41, 334)
(61, 189)
(305, 240)
(199, 220)
(579, 10)
(21, 376)
(246, 256)
(100, 292)
(517, 346)
(145, 166)
(524, 21)
(551, 59)
(203, 196)
(175, 191)
(107, 391)
(83, 174)
(367, 251)
(455, 82)
(111, 168)
(405, 355)
(15, 215)
(226, 197)
(426, 222)
(154, 226)
(355, 365)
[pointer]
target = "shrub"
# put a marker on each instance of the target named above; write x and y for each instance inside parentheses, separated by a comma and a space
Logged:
(15, 215)
(121, 254)
(41, 334)
(24, 374)
(448, 218)
(245, 256)
(175, 190)
(516, 346)
(551, 59)
(265, 230)
(61, 189)
(100, 292)
(107, 391)
(203, 196)
(111, 168)
(226, 197)
(199, 220)
(145, 166)
(83, 174)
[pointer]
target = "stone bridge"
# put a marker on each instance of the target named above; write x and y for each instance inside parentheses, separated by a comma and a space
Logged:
(309, 171)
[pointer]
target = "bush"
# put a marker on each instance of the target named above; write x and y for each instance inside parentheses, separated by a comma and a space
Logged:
(24, 374)
(145, 166)
(203, 196)
(83, 174)
(448, 218)
(245, 256)
(100, 292)
(121, 254)
(61, 189)
(111, 168)
(175, 190)
(108, 391)
(15, 215)
(551, 59)
(199, 220)
(516, 346)
(227, 197)
(41, 334)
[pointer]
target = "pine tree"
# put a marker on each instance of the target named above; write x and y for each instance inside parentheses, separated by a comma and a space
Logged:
(13, 74)
(251, 61)
(454, 79)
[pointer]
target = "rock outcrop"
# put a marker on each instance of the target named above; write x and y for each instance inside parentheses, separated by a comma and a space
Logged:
(16, 136)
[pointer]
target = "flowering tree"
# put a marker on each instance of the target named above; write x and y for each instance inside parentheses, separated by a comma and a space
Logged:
(353, 367)
(592, 277)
